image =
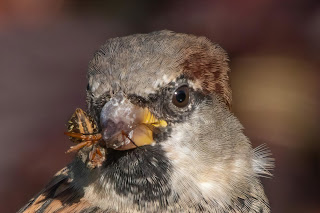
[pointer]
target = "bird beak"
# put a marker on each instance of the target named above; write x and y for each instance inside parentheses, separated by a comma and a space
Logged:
(125, 125)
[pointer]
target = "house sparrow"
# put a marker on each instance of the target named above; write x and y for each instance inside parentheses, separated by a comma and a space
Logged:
(162, 104)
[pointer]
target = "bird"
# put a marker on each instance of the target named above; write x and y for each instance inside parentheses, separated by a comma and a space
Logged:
(162, 103)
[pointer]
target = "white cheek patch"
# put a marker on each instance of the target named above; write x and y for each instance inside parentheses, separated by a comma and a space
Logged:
(196, 174)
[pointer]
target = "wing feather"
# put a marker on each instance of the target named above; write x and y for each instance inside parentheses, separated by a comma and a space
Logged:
(59, 196)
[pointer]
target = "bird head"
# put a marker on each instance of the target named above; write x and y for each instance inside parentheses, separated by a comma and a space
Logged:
(162, 101)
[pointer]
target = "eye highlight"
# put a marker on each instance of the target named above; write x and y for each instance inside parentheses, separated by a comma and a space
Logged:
(180, 97)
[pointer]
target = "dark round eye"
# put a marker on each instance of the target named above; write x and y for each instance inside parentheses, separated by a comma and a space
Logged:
(180, 97)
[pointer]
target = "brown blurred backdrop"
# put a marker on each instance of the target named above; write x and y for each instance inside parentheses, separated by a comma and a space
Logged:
(45, 46)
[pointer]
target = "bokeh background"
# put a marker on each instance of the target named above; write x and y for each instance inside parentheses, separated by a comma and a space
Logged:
(45, 46)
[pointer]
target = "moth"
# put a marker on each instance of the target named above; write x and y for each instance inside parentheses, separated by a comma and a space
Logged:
(83, 130)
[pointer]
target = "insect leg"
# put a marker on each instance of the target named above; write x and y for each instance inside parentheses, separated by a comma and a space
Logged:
(78, 146)
(99, 152)
(75, 135)
(92, 153)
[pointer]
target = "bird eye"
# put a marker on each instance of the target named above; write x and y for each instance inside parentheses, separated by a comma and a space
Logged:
(181, 96)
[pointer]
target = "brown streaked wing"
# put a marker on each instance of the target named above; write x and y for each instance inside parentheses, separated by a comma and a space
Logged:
(59, 196)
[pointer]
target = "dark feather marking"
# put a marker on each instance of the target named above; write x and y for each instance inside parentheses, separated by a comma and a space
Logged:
(90, 210)
(48, 199)
(241, 202)
(44, 205)
(132, 172)
(50, 189)
(25, 207)
(137, 100)
(51, 192)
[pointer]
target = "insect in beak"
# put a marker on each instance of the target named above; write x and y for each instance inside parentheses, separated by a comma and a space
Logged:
(82, 129)
(124, 126)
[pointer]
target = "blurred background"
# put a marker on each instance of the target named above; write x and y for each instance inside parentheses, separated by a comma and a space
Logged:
(45, 47)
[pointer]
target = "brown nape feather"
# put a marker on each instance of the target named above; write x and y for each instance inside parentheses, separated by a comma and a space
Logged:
(209, 66)
(58, 196)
